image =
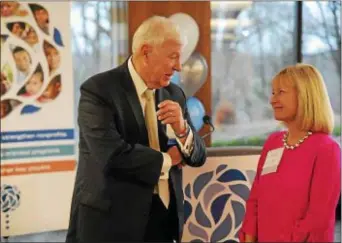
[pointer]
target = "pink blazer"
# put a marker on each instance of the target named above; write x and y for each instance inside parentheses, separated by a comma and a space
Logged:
(297, 202)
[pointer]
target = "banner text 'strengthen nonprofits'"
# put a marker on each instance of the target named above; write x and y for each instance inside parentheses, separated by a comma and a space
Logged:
(38, 135)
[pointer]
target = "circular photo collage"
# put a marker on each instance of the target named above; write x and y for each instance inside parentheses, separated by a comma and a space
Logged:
(31, 76)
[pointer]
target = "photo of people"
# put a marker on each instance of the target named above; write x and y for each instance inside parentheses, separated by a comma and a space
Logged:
(25, 32)
(31, 38)
(11, 8)
(26, 78)
(41, 16)
(3, 39)
(6, 79)
(5, 84)
(33, 84)
(17, 28)
(52, 56)
(23, 63)
(52, 90)
(7, 106)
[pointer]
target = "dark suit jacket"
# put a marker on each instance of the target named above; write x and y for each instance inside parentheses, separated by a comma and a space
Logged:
(117, 170)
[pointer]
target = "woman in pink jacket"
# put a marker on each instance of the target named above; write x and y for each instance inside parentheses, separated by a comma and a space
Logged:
(298, 180)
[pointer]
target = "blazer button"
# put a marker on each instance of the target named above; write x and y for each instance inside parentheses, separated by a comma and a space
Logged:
(162, 173)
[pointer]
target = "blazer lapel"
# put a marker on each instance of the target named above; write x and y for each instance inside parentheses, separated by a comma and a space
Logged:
(134, 102)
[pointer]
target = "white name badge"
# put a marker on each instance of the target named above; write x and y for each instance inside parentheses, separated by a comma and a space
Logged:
(272, 161)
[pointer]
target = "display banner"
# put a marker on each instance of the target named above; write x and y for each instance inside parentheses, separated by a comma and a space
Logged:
(37, 121)
(215, 196)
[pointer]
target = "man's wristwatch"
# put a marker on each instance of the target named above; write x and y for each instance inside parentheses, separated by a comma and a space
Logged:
(186, 132)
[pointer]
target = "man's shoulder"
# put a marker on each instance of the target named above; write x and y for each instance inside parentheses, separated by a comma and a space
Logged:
(105, 78)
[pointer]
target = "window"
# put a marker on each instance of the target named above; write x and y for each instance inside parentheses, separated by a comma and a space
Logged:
(322, 47)
(99, 39)
(251, 42)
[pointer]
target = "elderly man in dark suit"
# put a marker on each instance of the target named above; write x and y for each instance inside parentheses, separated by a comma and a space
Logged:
(129, 178)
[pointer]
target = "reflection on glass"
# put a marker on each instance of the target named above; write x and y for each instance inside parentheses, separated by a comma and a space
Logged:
(322, 45)
(99, 43)
(251, 42)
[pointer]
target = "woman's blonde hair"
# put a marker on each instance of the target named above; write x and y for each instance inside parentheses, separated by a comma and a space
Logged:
(314, 111)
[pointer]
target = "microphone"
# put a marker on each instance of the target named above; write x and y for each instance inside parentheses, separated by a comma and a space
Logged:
(207, 120)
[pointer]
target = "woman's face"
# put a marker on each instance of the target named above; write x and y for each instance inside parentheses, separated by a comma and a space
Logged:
(284, 101)
(17, 30)
(35, 83)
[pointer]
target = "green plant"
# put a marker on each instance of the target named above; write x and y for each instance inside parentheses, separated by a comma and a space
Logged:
(337, 131)
(257, 140)
(249, 141)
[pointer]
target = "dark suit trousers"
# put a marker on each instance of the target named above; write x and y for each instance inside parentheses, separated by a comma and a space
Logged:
(162, 225)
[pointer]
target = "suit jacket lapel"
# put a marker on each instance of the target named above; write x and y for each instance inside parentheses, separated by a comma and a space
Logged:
(134, 102)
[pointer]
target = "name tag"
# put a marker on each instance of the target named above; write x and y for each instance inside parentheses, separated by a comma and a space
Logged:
(272, 161)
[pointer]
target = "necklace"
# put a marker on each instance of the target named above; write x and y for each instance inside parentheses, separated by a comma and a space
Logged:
(298, 143)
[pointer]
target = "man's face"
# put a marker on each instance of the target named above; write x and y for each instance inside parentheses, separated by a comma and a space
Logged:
(42, 17)
(53, 58)
(161, 62)
(34, 84)
(22, 60)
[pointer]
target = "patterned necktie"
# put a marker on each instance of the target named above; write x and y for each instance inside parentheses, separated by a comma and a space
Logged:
(152, 129)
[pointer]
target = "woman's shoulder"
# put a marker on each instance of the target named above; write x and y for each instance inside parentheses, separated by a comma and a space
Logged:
(275, 138)
(324, 141)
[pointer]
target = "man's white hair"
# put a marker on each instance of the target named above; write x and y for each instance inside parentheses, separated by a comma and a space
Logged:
(154, 31)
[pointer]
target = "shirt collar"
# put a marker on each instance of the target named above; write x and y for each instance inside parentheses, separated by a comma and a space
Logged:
(138, 81)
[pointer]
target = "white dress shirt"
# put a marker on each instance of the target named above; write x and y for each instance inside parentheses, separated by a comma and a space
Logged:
(186, 148)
